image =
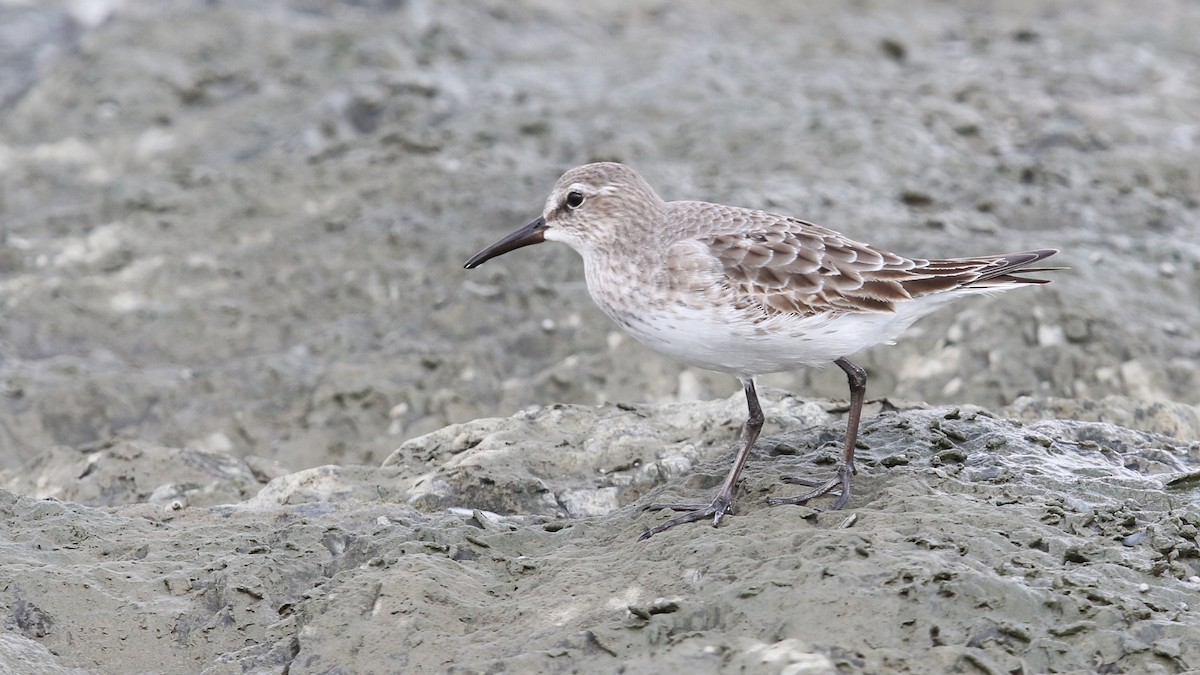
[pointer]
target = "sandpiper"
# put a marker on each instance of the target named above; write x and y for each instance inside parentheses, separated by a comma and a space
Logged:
(747, 292)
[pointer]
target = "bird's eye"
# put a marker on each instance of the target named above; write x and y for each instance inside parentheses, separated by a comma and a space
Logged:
(574, 199)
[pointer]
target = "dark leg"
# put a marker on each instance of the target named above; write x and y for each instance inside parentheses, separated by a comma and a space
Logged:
(841, 478)
(723, 502)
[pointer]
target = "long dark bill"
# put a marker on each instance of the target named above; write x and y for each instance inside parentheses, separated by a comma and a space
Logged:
(532, 233)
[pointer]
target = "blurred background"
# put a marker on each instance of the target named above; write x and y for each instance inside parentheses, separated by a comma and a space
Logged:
(240, 226)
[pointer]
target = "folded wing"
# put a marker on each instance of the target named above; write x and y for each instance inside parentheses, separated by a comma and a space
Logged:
(790, 266)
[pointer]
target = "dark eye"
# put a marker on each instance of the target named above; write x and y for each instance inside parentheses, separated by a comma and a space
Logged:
(574, 199)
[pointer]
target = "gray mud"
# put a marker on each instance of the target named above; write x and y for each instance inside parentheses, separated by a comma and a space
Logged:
(975, 543)
(254, 416)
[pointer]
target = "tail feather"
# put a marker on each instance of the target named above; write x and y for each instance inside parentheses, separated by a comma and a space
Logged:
(1001, 270)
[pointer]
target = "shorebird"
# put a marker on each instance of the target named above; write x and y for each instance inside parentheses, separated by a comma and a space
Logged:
(747, 292)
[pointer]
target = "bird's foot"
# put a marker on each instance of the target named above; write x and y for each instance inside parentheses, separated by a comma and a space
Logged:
(721, 505)
(839, 484)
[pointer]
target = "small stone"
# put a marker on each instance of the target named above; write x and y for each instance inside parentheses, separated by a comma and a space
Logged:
(893, 49)
(1077, 329)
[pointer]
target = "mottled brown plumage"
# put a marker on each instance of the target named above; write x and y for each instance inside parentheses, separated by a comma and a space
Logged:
(787, 265)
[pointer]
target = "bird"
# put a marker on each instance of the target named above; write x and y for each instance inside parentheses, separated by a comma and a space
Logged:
(748, 292)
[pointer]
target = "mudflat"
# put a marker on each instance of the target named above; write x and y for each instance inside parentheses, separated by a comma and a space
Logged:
(255, 416)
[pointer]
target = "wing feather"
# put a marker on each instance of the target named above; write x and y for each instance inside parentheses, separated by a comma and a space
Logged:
(785, 265)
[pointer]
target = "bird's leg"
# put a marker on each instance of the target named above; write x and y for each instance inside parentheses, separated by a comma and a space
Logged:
(723, 502)
(857, 378)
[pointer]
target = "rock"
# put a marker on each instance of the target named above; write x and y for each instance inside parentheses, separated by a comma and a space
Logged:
(129, 472)
(401, 568)
(1177, 420)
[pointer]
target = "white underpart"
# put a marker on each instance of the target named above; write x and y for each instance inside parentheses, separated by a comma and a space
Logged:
(714, 339)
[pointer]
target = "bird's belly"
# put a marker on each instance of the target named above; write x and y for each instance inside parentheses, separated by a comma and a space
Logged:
(713, 341)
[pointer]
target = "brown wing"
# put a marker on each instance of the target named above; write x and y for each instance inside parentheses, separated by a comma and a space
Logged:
(787, 265)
